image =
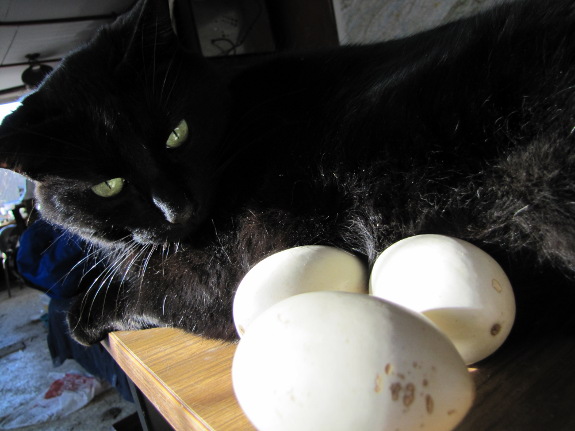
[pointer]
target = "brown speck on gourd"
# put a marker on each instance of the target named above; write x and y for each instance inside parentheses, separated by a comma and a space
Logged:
(378, 383)
(495, 329)
(395, 389)
(409, 394)
(429, 404)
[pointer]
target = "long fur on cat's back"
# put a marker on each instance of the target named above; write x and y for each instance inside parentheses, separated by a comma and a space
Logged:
(464, 130)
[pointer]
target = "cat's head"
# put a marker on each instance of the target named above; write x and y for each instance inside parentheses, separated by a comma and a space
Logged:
(122, 138)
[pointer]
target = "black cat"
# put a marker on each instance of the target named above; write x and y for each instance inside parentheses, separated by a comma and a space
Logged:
(185, 177)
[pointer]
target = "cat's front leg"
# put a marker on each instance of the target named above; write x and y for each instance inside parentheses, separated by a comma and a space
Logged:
(189, 290)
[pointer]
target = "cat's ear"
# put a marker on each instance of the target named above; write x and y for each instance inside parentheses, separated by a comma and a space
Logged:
(149, 27)
(23, 149)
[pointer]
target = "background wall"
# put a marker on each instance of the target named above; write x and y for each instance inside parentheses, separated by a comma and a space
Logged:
(361, 21)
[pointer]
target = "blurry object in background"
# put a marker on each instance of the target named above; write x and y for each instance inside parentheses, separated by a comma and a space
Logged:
(15, 190)
(52, 28)
(16, 194)
(68, 393)
(6, 215)
(8, 108)
(10, 239)
(363, 21)
(13, 187)
(231, 27)
(8, 244)
(36, 72)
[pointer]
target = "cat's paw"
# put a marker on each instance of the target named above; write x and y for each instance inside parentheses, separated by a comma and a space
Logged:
(89, 321)
(85, 334)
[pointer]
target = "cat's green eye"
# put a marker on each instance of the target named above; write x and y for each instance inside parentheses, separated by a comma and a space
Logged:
(178, 135)
(109, 188)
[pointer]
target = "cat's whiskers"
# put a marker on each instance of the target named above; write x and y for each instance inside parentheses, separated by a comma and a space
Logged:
(144, 266)
(166, 102)
(132, 246)
(94, 266)
(65, 276)
(164, 256)
(128, 267)
(151, 248)
(111, 272)
(115, 270)
(89, 255)
(109, 269)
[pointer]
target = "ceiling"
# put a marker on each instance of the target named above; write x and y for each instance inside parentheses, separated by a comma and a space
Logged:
(51, 28)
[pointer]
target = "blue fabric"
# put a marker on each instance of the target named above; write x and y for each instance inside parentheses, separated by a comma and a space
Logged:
(51, 259)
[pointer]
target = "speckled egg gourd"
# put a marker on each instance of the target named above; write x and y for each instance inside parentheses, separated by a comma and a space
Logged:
(458, 286)
(341, 361)
(294, 271)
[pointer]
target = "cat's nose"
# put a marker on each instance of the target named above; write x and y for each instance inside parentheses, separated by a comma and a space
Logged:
(178, 211)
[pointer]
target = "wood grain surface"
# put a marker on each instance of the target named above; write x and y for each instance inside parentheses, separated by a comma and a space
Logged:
(186, 377)
(529, 384)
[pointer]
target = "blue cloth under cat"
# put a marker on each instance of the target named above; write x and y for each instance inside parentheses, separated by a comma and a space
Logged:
(51, 259)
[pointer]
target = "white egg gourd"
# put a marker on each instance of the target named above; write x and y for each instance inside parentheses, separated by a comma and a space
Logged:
(329, 361)
(294, 271)
(455, 284)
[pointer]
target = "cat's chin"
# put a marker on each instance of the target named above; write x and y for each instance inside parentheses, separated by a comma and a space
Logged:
(147, 237)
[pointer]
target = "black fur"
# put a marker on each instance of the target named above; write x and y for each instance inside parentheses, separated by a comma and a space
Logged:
(464, 130)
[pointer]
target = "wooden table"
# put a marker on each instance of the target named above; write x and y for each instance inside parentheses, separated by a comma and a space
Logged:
(187, 378)
(529, 384)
